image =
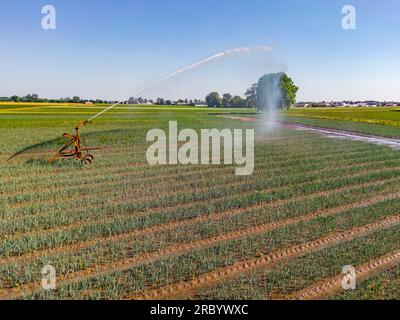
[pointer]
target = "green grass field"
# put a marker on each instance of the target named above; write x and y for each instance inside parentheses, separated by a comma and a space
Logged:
(122, 229)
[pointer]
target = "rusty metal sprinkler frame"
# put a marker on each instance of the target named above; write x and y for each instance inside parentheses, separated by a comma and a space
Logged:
(73, 148)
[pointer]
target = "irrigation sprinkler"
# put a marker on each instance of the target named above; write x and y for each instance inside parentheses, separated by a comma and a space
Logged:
(73, 148)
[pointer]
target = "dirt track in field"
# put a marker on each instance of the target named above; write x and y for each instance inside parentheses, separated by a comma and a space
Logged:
(332, 133)
(333, 285)
(181, 289)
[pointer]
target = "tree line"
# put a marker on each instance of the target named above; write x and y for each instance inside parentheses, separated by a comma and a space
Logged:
(213, 100)
(276, 88)
(36, 98)
(132, 100)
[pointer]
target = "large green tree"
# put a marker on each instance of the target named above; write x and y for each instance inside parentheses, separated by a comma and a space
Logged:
(289, 91)
(213, 100)
(275, 91)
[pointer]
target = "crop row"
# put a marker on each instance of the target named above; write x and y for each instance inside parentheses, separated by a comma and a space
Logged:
(276, 240)
(270, 154)
(284, 280)
(271, 193)
(219, 223)
(126, 277)
(85, 198)
(44, 182)
(149, 186)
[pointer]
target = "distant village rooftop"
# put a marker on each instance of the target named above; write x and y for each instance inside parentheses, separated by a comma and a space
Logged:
(347, 103)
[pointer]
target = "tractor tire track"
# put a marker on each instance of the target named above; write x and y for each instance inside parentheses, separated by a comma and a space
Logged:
(333, 285)
(253, 230)
(184, 288)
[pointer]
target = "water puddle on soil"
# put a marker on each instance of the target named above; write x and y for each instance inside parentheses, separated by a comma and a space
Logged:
(340, 134)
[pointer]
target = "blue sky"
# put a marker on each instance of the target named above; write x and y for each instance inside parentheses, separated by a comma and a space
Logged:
(109, 49)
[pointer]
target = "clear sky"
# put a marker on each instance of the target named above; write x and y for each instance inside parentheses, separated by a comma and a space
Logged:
(109, 49)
